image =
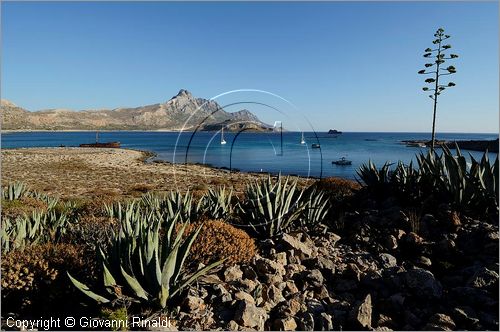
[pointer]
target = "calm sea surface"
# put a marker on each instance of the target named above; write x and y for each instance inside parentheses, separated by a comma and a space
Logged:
(267, 152)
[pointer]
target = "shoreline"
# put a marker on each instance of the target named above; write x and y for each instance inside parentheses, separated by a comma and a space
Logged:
(72, 172)
(472, 145)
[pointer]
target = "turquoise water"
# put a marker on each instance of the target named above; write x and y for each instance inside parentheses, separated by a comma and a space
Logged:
(266, 152)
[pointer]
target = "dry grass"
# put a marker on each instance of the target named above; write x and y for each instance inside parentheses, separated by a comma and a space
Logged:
(116, 173)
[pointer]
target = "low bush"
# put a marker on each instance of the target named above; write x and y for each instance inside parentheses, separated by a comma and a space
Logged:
(219, 240)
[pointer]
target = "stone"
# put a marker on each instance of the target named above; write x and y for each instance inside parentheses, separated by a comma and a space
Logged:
(233, 273)
(314, 278)
(290, 287)
(361, 314)
(324, 322)
(248, 315)
(232, 326)
(192, 303)
(247, 285)
(423, 261)
(221, 293)
(280, 258)
(249, 272)
(292, 269)
(306, 322)
(440, 322)
(388, 260)
(314, 306)
(423, 283)
(244, 296)
(303, 249)
(465, 318)
(266, 266)
(390, 242)
(285, 324)
(484, 279)
(273, 295)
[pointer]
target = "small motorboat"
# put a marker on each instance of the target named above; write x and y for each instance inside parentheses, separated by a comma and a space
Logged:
(342, 162)
(315, 146)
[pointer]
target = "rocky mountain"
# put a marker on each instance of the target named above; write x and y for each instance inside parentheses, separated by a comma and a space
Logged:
(183, 111)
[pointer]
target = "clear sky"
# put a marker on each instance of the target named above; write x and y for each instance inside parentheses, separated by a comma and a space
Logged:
(350, 66)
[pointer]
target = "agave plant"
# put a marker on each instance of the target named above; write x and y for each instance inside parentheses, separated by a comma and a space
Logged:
(14, 191)
(28, 230)
(216, 203)
(271, 207)
(377, 180)
(317, 206)
(145, 265)
(171, 204)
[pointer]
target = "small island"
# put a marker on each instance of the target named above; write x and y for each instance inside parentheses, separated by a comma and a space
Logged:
(334, 131)
(473, 145)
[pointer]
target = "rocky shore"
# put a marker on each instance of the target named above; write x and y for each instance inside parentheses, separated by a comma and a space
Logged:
(473, 145)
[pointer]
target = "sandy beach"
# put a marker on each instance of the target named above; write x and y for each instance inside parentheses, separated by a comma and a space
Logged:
(90, 172)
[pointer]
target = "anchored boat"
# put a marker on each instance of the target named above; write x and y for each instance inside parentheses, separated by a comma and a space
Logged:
(342, 162)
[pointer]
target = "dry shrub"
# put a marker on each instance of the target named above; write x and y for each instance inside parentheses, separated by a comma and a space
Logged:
(219, 240)
(22, 206)
(37, 274)
(337, 187)
(141, 187)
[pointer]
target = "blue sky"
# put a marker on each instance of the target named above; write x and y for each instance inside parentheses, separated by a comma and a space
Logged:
(350, 66)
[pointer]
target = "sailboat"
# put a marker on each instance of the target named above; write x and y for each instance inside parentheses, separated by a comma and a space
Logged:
(100, 145)
(222, 140)
(302, 140)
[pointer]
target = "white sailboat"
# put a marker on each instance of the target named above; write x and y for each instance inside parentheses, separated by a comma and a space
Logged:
(302, 140)
(222, 140)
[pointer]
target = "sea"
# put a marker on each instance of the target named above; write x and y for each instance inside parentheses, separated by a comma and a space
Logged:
(271, 152)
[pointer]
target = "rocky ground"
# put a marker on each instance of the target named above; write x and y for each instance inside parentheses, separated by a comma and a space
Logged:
(379, 275)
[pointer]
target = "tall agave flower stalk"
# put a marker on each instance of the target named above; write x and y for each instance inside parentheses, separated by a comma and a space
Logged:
(146, 266)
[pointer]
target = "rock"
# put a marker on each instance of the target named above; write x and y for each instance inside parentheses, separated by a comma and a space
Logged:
(484, 279)
(473, 296)
(361, 315)
(302, 249)
(285, 324)
(232, 326)
(280, 258)
(249, 272)
(327, 266)
(266, 266)
(244, 296)
(306, 322)
(440, 322)
(192, 303)
(233, 273)
(247, 285)
(288, 308)
(292, 269)
(249, 315)
(272, 295)
(390, 242)
(290, 287)
(423, 261)
(221, 293)
(388, 260)
(324, 322)
(314, 306)
(465, 318)
(423, 283)
(314, 278)
(385, 322)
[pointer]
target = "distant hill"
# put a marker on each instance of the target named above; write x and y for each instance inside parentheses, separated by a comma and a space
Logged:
(181, 111)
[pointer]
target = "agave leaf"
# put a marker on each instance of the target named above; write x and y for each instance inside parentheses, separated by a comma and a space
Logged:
(134, 285)
(85, 290)
(184, 252)
(195, 276)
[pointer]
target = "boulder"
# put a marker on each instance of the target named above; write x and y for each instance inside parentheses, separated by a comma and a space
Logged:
(248, 315)
(301, 249)
(314, 278)
(484, 279)
(192, 304)
(266, 266)
(285, 324)
(388, 260)
(423, 283)
(440, 322)
(233, 273)
(361, 314)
